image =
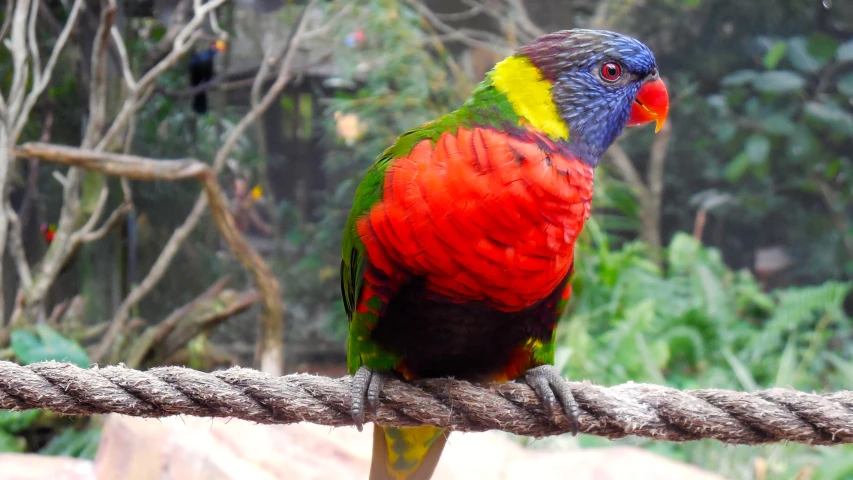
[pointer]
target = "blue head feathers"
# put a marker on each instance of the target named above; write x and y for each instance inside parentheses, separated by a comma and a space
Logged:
(595, 78)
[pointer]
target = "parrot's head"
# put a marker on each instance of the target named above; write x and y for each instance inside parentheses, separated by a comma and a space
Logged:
(595, 83)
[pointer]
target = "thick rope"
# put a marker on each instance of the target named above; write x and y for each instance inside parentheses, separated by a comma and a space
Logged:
(643, 410)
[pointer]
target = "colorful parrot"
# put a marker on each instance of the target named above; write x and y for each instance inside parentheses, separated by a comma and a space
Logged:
(202, 70)
(459, 248)
(48, 232)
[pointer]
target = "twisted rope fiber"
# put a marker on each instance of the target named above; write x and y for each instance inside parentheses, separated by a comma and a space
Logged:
(644, 410)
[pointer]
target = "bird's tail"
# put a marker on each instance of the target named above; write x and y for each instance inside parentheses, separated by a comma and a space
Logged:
(200, 103)
(406, 453)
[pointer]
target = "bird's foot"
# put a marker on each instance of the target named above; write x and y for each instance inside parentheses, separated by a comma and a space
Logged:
(553, 389)
(364, 394)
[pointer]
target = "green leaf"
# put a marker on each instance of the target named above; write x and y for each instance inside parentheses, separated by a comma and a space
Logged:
(822, 47)
(777, 124)
(842, 365)
(774, 55)
(740, 370)
(757, 148)
(73, 443)
(737, 168)
(801, 57)
(845, 52)
(845, 85)
(834, 465)
(47, 345)
(801, 143)
(830, 114)
(683, 250)
(778, 81)
(10, 443)
(15, 422)
(787, 365)
(739, 78)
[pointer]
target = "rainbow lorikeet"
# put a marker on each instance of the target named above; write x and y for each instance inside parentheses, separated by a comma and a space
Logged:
(459, 248)
(47, 232)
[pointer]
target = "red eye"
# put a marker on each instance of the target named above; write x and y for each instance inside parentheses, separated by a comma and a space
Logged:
(611, 71)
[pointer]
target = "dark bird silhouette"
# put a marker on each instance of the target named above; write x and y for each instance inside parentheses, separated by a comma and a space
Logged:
(201, 71)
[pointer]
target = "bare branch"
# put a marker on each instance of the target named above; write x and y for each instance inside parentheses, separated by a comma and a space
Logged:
(475, 9)
(125, 63)
(39, 87)
(18, 46)
(462, 35)
(65, 238)
(141, 168)
(18, 254)
(63, 244)
(654, 179)
(113, 220)
(182, 43)
(839, 220)
(269, 97)
(7, 20)
(182, 232)
(31, 194)
(35, 58)
(98, 82)
(328, 24)
(157, 333)
(522, 19)
(626, 169)
(154, 275)
(214, 25)
(60, 178)
(115, 164)
(97, 210)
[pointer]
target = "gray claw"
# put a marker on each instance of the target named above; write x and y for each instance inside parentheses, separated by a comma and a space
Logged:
(376, 381)
(552, 389)
(364, 390)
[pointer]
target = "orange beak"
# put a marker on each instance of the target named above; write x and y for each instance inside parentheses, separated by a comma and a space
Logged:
(219, 45)
(650, 105)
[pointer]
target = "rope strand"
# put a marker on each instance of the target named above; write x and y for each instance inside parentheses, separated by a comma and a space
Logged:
(644, 410)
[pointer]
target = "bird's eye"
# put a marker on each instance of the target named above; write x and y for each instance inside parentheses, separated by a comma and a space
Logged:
(611, 71)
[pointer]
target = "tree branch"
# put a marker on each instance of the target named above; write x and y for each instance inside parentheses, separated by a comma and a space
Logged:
(841, 222)
(39, 87)
(657, 160)
(115, 164)
(141, 168)
(31, 193)
(465, 36)
(18, 254)
(626, 169)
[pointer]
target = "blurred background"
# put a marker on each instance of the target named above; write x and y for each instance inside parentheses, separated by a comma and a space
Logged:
(719, 253)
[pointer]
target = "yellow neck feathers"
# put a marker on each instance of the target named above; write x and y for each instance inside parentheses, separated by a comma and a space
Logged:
(530, 95)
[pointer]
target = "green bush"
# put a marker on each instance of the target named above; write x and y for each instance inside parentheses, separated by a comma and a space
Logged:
(695, 323)
(24, 431)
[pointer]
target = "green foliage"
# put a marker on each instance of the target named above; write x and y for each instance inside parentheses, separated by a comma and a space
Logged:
(13, 423)
(781, 142)
(74, 443)
(695, 323)
(42, 345)
(46, 344)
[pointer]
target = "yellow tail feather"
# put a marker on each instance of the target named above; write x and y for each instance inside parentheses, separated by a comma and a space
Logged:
(406, 453)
